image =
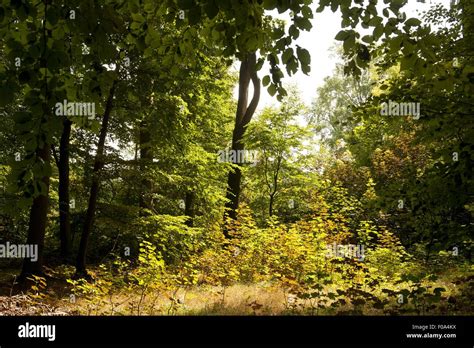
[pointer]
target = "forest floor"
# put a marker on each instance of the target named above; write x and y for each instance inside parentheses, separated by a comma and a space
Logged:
(263, 298)
(238, 299)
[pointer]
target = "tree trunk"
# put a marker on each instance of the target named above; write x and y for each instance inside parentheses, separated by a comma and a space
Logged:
(39, 208)
(37, 222)
(270, 206)
(467, 21)
(63, 192)
(274, 187)
(189, 208)
(146, 157)
(243, 116)
(98, 165)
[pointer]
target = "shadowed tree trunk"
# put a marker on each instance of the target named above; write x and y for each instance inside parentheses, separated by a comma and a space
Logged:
(274, 187)
(189, 207)
(39, 209)
(244, 114)
(98, 165)
(467, 21)
(146, 157)
(37, 222)
(63, 192)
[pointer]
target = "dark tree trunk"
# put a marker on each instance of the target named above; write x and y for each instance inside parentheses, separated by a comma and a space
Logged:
(98, 165)
(146, 157)
(270, 206)
(63, 191)
(39, 208)
(467, 21)
(242, 118)
(189, 208)
(37, 223)
(274, 187)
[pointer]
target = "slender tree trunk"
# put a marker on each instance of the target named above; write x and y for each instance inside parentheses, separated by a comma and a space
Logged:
(37, 223)
(243, 116)
(274, 187)
(189, 208)
(146, 157)
(98, 165)
(467, 21)
(270, 206)
(63, 191)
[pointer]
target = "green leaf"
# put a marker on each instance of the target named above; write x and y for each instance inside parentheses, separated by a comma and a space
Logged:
(412, 22)
(349, 43)
(306, 12)
(342, 35)
(286, 56)
(6, 95)
(272, 89)
(367, 39)
(306, 69)
(303, 23)
(375, 21)
(377, 33)
(303, 55)
(294, 32)
(269, 4)
(52, 16)
(21, 117)
(265, 80)
(186, 4)
(194, 15)
(211, 9)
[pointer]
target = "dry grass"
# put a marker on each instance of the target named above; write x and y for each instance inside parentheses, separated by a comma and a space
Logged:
(240, 299)
(263, 298)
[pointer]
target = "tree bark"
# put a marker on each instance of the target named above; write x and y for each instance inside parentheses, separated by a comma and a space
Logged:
(270, 205)
(63, 192)
(467, 21)
(39, 209)
(37, 222)
(274, 187)
(146, 157)
(244, 115)
(189, 208)
(98, 165)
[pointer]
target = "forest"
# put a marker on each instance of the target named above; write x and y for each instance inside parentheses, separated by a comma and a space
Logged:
(141, 173)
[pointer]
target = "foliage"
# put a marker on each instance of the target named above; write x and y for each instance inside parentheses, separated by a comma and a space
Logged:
(339, 173)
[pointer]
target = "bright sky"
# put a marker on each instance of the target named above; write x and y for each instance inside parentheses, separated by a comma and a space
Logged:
(318, 42)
